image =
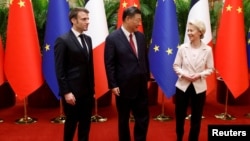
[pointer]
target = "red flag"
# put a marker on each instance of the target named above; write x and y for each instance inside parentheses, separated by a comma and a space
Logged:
(23, 63)
(98, 29)
(123, 5)
(2, 78)
(230, 50)
(199, 9)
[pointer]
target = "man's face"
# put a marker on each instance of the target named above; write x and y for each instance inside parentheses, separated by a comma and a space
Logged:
(134, 22)
(81, 23)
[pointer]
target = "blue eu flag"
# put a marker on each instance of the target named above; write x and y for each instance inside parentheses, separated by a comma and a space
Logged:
(162, 51)
(57, 24)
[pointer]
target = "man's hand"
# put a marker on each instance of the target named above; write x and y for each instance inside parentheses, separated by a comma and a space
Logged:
(70, 98)
(116, 91)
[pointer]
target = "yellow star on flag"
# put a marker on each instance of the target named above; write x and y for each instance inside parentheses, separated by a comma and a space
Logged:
(21, 3)
(135, 5)
(11, 1)
(229, 8)
(47, 47)
(156, 48)
(239, 9)
(124, 4)
(169, 51)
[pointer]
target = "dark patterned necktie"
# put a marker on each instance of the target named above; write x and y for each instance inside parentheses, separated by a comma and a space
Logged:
(132, 44)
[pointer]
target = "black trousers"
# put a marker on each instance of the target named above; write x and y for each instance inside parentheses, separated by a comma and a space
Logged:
(139, 108)
(182, 100)
(78, 117)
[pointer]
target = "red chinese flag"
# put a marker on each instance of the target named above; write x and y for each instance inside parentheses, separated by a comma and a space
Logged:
(230, 50)
(22, 57)
(123, 5)
(2, 78)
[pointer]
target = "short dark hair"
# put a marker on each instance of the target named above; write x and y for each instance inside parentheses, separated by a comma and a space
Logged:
(130, 12)
(74, 12)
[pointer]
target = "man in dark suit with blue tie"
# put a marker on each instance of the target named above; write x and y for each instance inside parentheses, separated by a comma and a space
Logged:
(127, 71)
(75, 75)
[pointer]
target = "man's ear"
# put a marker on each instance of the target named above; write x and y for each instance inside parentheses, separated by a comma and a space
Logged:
(127, 18)
(73, 20)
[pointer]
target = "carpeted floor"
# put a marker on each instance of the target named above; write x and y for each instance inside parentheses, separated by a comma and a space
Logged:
(44, 130)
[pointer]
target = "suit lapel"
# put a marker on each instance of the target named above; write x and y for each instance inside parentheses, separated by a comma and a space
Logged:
(188, 54)
(88, 41)
(138, 41)
(125, 41)
(78, 45)
(201, 57)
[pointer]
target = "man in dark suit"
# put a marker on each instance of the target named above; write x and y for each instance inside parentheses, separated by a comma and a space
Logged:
(127, 74)
(75, 74)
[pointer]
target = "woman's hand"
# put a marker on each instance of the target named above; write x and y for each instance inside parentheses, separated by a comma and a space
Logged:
(192, 77)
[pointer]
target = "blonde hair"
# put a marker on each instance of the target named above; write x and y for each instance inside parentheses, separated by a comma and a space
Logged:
(199, 25)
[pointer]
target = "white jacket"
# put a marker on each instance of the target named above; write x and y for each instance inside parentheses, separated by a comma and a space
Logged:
(203, 64)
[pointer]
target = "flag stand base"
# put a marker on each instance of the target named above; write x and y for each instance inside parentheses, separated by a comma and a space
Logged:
(61, 119)
(98, 118)
(225, 116)
(163, 117)
(189, 117)
(26, 120)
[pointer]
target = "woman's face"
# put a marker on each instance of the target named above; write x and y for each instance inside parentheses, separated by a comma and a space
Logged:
(193, 33)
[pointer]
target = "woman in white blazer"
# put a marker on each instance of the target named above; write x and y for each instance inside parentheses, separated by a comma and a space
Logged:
(193, 63)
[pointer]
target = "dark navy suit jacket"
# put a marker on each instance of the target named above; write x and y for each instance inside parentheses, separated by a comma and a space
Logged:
(74, 67)
(124, 69)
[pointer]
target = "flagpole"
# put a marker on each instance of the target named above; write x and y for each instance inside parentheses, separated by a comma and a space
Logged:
(162, 116)
(25, 119)
(97, 117)
(225, 115)
(62, 117)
